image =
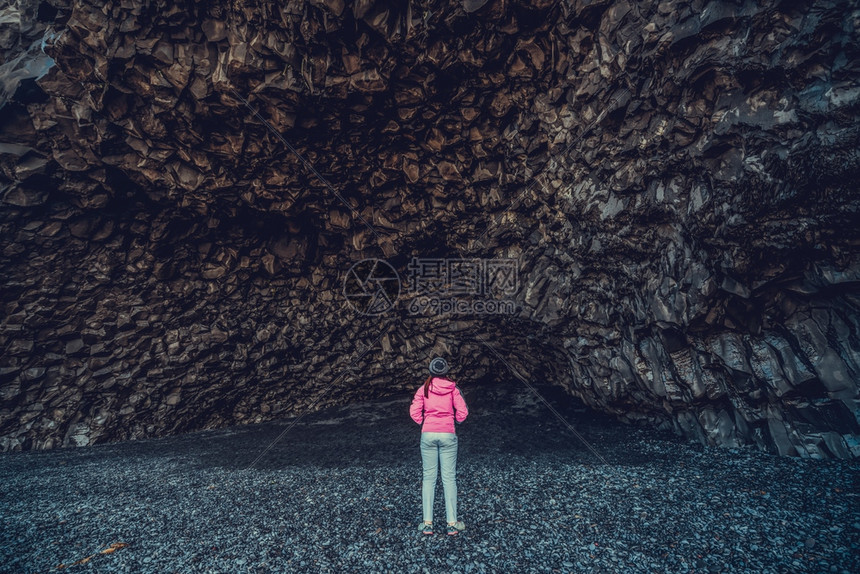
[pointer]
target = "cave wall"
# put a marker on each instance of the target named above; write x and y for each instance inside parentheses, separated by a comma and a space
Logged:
(677, 181)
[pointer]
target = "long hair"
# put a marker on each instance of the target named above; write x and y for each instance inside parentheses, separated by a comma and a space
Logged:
(427, 386)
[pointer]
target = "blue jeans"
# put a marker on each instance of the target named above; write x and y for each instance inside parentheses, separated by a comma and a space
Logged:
(439, 449)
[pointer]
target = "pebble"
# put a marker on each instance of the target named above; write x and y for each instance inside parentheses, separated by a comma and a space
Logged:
(313, 504)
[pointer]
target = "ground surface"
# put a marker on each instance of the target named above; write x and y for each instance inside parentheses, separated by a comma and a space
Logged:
(340, 492)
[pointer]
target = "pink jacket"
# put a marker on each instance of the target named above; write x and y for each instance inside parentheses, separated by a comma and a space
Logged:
(443, 404)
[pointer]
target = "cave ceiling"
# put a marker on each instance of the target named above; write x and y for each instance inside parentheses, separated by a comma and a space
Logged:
(187, 186)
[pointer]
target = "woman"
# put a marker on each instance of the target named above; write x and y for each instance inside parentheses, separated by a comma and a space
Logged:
(436, 405)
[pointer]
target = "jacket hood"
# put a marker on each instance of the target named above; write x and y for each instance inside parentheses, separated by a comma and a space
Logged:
(441, 386)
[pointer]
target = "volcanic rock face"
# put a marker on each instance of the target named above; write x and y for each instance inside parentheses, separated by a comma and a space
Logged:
(677, 180)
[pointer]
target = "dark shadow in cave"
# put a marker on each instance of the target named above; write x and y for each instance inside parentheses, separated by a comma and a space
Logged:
(506, 421)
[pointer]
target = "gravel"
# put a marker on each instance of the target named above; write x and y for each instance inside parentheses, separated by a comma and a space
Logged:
(340, 492)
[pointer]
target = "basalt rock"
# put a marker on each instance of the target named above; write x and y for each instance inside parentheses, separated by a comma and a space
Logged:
(677, 181)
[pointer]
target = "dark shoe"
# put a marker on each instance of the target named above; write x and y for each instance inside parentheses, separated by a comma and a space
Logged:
(452, 530)
(425, 528)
